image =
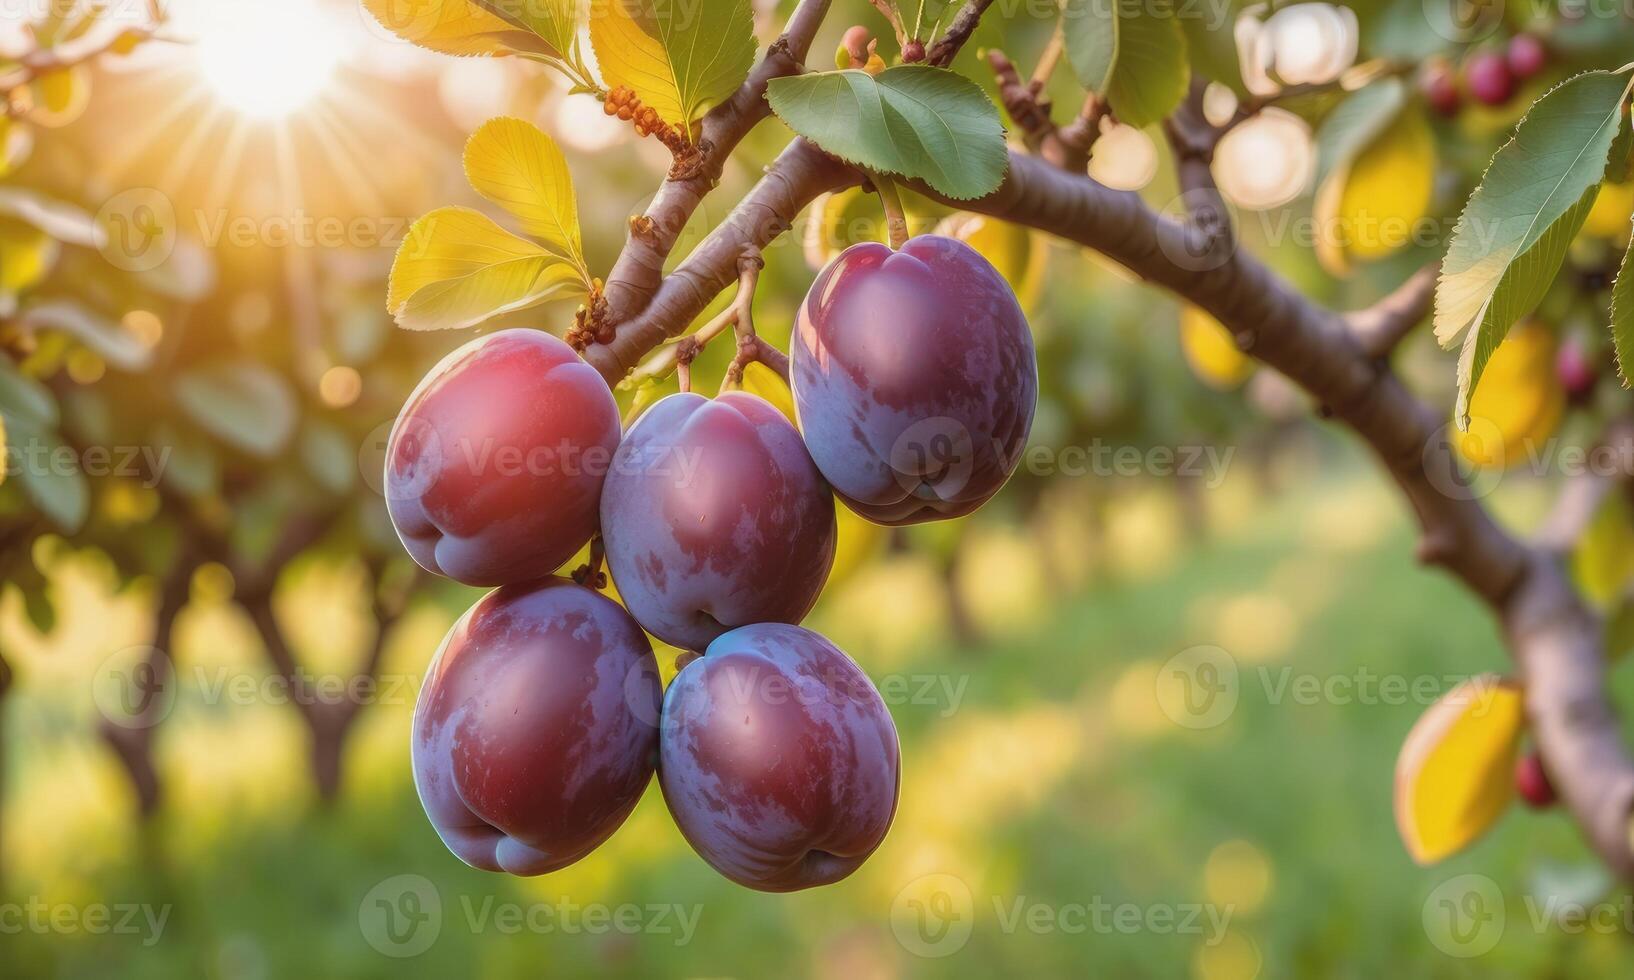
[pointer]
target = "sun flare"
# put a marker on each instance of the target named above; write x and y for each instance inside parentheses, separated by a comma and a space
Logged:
(265, 60)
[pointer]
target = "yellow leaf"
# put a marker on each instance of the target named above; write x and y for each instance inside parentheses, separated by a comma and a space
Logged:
(26, 256)
(457, 268)
(1455, 775)
(1373, 208)
(519, 168)
(1519, 403)
(1603, 558)
(857, 542)
(1211, 351)
(845, 218)
(758, 379)
(60, 97)
(1612, 212)
(466, 28)
(680, 60)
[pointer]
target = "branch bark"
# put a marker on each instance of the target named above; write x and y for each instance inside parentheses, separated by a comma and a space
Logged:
(639, 271)
(1557, 642)
(1383, 326)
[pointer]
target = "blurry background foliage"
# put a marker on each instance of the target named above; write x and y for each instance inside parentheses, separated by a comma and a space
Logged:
(258, 365)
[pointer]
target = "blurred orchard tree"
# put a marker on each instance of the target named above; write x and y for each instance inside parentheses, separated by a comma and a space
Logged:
(1478, 168)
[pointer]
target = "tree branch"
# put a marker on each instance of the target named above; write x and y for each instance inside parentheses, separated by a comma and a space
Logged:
(800, 174)
(1193, 141)
(943, 52)
(1556, 641)
(1381, 327)
(639, 271)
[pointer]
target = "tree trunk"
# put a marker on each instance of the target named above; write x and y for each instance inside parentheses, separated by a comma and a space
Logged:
(132, 738)
(5, 691)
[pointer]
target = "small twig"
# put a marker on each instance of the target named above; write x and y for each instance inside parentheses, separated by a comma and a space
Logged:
(1079, 136)
(1193, 140)
(887, 9)
(1380, 328)
(943, 52)
(1582, 494)
(677, 356)
(1022, 102)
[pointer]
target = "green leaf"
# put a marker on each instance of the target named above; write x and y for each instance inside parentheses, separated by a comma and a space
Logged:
(189, 461)
(48, 472)
(1091, 32)
(911, 121)
(1152, 74)
(1211, 39)
(1355, 123)
(329, 456)
(1622, 317)
(519, 168)
(1512, 237)
(458, 269)
(242, 403)
(25, 399)
(680, 59)
(1133, 54)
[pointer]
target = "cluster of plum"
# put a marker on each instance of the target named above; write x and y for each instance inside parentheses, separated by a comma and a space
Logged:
(542, 717)
(1491, 76)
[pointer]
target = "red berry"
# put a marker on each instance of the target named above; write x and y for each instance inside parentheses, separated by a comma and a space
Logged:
(1488, 78)
(1441, 91)
(1533, 783)
(913, 52)
(1526, 56)
(1575, 370)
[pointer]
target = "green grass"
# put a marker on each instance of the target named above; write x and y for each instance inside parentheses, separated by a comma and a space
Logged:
(1106, 814)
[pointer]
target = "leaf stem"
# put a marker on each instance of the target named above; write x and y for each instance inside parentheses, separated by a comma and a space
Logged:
(1051, 57)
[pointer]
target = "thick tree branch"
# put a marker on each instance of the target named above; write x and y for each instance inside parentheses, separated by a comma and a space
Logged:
(1383, 326)
(800, 174)
(637, 274)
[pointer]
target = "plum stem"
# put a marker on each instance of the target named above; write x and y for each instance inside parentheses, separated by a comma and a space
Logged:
(590, 574)
(895, 218)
